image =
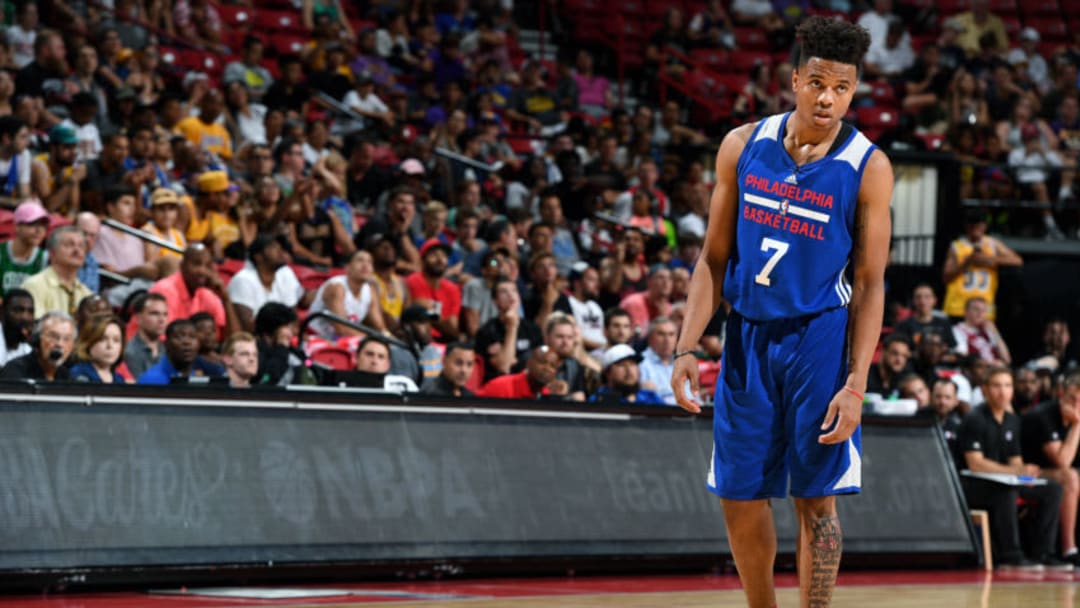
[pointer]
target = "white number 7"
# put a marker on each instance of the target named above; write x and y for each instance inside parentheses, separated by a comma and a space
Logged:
(767, 244)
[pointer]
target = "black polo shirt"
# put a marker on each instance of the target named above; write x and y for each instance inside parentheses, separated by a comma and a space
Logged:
(1041, 425)
(27, 367)
(439, 386)
(979, 432)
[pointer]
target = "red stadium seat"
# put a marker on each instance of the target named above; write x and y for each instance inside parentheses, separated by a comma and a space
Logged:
(1050, 29)
(334, 358)
(744, 61)
(750, 38)
(951, 7)
(288, 43)
(236, 16)
(1012, 25)
(476, 380)
(1043, 8)
(279, 21)
(1003, 7)
(875, 121)
(716, 59)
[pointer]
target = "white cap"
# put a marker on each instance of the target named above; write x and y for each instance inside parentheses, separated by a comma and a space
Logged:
(1029, 33)
(619, 352)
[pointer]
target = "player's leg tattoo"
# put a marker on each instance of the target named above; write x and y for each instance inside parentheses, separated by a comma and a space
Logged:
(826, 545)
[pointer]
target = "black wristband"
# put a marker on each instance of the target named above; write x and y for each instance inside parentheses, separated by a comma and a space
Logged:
(685, 352)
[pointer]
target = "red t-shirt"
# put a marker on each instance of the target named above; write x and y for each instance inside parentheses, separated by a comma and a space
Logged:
(510, 386)
(447, 300)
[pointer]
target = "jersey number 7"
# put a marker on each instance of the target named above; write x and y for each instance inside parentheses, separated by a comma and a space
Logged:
(779, 248)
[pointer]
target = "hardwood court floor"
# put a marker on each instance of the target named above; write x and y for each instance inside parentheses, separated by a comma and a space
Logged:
(961, 589)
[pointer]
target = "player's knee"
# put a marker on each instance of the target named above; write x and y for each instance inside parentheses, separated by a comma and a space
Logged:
(1071, 480)
(813, 509)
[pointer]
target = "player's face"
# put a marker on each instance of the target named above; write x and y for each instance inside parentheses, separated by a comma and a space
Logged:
(823, 91)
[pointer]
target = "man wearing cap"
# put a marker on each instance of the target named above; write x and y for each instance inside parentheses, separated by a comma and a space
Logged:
(204, 219)
(477, 303)
(1028, 54)
(533, 383)
(204, 131)
(198, 288)
(23, 256)
(429, 289)
(63, 176)
(363, 100)
(457, 368)
(58, 287)
(423, 360)
(622, 383)
(655, 301)
(265, 278)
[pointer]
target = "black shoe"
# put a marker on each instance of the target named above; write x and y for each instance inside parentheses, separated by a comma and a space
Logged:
(1073, 559)
(1022, 564)
(1052, 563)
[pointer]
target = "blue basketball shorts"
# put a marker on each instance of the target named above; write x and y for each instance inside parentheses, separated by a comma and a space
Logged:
(777, 379)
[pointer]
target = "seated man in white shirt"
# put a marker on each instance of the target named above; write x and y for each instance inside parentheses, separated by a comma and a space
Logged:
(585, 289)
(366, 103)
(265, 278)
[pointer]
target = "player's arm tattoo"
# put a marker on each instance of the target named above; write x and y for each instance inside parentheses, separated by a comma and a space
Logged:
(826, 544)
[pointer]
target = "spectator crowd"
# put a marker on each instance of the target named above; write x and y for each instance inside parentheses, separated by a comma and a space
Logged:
(185, 185)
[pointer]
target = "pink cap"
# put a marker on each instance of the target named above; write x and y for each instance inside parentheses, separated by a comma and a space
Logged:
(30, 212)
(411, 166)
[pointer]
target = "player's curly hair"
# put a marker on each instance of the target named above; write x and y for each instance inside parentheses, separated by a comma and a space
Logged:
(831, 39)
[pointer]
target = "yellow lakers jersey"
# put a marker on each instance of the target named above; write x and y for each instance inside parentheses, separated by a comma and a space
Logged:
(976, 281)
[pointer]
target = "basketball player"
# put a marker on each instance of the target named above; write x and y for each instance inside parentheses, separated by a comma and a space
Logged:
(797, 243)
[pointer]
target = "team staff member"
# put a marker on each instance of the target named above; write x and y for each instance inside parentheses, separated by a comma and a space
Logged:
(801, 199)
(1050, 435)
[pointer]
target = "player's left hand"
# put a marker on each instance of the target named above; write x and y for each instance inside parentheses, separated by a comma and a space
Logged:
(845, 411)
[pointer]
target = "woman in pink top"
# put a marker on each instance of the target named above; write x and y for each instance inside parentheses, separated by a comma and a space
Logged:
(594, 92)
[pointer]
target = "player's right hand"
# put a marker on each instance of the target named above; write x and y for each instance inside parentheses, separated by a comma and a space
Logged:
(686, 369)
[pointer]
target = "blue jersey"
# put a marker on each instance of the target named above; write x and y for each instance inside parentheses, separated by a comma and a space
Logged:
(793, 235)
